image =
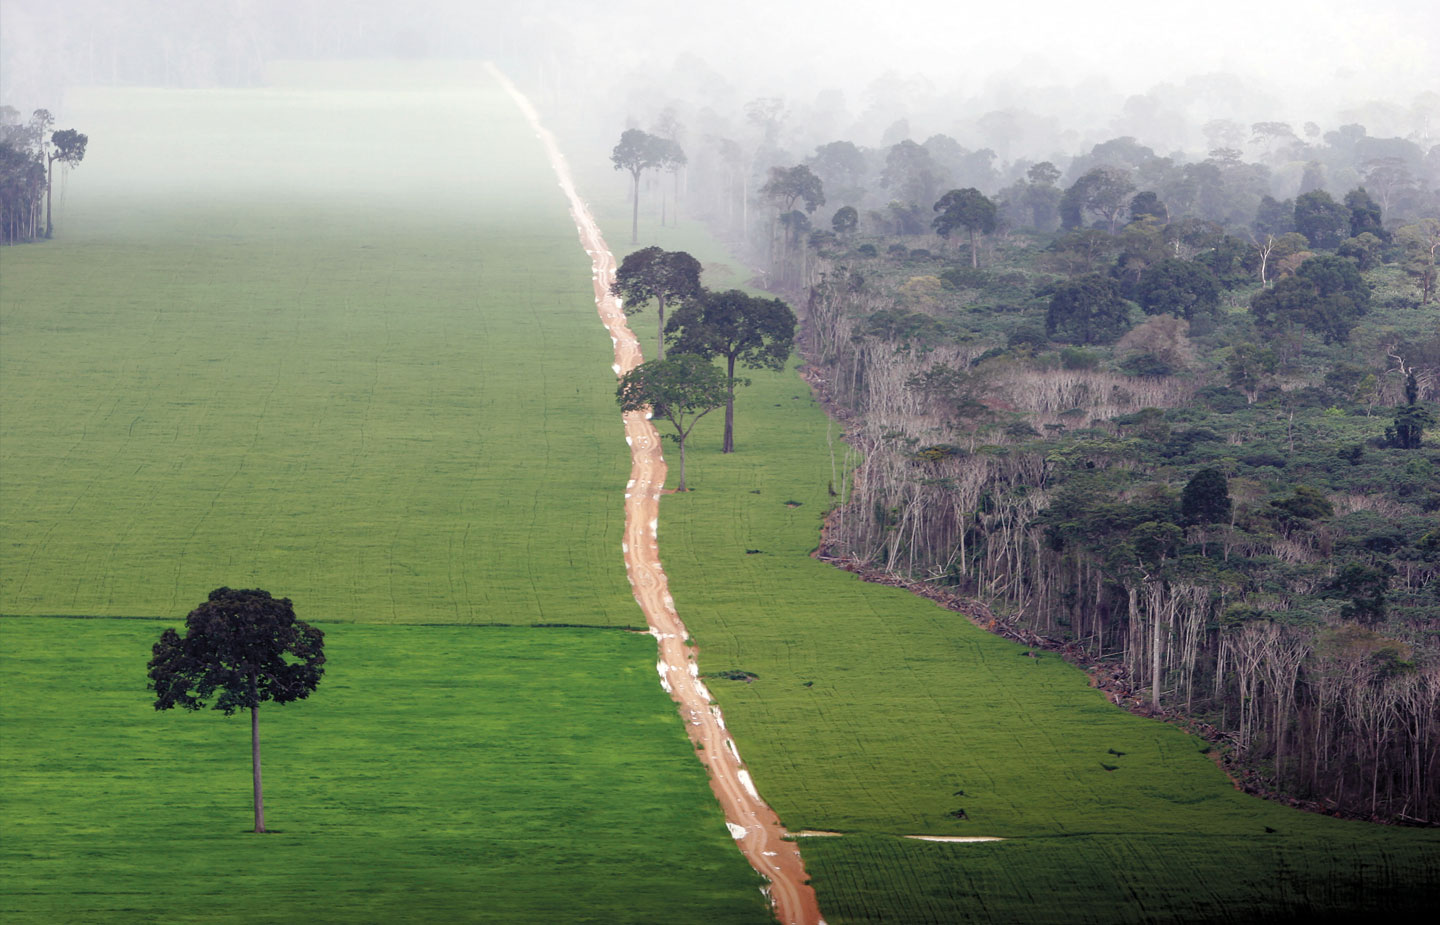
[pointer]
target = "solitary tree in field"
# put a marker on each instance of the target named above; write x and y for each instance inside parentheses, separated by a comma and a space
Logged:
(968, 209)
(653, 273)
(637, 152)
(69, 149)
(242, 648)
(682, 390)
(756, 332)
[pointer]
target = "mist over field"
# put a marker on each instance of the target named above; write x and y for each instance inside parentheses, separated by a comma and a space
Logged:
(1081, 73)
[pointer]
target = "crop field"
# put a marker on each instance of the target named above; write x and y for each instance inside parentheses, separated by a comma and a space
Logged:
(371, 381)
(342, 347)
(877, 713)
(439, 774)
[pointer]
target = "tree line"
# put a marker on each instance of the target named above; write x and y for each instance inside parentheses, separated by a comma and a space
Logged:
(29, 151)
(1158, 415)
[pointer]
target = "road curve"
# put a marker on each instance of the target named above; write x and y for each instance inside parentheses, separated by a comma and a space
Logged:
(753, 824)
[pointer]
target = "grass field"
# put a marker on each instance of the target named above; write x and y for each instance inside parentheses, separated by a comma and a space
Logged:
(879, 714)
(387, 395)
(342, 347)
(439, 774)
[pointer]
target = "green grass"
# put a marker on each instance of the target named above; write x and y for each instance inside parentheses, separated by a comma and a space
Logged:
(438, 774)
(341, 346)
(879, 714)
(384, 395)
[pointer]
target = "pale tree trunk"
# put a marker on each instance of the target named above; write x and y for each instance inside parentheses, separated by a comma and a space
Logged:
(255, 766)
(727, 445)
(49, 186)
(635, 210)
(660, 347)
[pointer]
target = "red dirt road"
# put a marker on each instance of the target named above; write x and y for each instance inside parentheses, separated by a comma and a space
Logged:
(754, 825)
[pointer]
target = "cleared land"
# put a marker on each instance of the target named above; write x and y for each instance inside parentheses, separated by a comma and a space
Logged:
(878, 714)
(343, 347)
(439, 774)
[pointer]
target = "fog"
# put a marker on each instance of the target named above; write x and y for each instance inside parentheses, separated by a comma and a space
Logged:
(1066, 75)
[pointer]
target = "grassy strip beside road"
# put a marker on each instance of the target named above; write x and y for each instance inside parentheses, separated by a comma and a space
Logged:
(439, 774)
(877, 713)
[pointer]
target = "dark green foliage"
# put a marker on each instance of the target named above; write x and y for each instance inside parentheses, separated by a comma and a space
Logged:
(1364, 586)
(1365, 215)
(1147, 205)
(1206, 498)
(755, 332)
(1327, 295)
(1365, 249)
(1305, 503)
(1408, 430)
(1323, 221)
(1274, 217)
(968, 209)
(245, 646)
(845, 220)
(1178, 287)
(1087, 310)
(659, 275)
(788, 184)
(682, 390)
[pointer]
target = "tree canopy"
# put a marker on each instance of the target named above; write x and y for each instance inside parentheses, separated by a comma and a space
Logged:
(1327, 295)
(756, 332)
(241, 648)
(682, 390)
(637, 152)
(969, 209)
(652, 273)
(1087, 310)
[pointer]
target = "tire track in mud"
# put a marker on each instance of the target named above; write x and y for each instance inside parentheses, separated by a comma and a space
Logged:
(753, 824)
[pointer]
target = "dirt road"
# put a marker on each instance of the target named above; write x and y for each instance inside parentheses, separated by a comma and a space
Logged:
(752, 823)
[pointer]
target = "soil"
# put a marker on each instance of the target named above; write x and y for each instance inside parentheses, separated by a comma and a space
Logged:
(756, 829)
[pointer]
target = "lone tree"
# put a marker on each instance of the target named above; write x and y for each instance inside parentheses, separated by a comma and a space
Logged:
(69, 150)
(756, 332)
(968, 209)
(653, 273)
(637, 152)
(241, 647)
(682, 390)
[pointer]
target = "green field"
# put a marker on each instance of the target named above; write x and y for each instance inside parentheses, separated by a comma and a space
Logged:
(877, 713)
(342, 347)
(439, 774)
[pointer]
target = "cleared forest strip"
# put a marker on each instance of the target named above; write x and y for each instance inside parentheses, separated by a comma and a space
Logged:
(757, 830)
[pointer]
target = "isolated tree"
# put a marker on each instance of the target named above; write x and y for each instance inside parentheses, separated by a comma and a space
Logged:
(755, 332)
(637, 152)
(1087, 310)
(682, 390)
(968, 209)
(661, 275)
(845, 220)
(69, 149)
(242, 648)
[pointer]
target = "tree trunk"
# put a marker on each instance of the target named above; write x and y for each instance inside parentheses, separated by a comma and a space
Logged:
(660, 347)
(727, 445)
(681, 441)
(635, 210)
(974, 250)
(255, 766)
(49, 185)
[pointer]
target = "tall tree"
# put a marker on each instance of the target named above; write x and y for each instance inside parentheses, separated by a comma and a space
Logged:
(637, 152)
(69, 149)
(661, 275)
(682, 390)
(1327, 294)
(755, 332)
(1323, 221)
(1102, 190)
(969, 209)
(243, 647)
(1087, 310)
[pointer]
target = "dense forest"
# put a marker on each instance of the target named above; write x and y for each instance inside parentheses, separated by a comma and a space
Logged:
(1173, 415)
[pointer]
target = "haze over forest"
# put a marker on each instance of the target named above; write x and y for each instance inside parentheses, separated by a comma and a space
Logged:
(1078, 74)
